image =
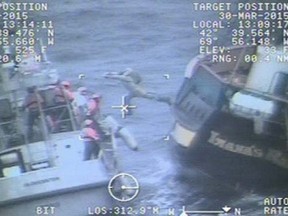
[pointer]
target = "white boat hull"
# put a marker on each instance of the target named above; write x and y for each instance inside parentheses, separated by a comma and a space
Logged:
(76, 203)
(73, 186)
(52, 180)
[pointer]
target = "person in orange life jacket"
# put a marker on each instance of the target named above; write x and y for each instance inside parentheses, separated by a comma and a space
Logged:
(94, 106)
(91, 140)
(63, 97)
(94, 114)
(63, 93)
(32, 102)
(67, 89)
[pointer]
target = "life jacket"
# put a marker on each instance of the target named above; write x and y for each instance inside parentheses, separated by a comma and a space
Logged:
(93, 107)
(62, 95)
(69, 93)
(89, 134)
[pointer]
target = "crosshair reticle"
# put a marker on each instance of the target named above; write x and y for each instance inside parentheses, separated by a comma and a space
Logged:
(124, 107)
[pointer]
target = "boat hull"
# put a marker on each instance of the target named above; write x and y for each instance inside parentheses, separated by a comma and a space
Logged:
(231, 117)
(80, 202)
(232, 169)
(234, 154)
(52, 180)
(71, 187)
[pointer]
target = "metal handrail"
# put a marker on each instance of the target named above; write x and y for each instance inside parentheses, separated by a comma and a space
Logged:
(71, 117)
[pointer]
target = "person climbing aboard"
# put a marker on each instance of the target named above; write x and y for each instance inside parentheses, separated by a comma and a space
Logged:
(131, 80)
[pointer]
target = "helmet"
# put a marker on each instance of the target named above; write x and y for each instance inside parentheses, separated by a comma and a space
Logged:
(66, 83)
(88, 122)
(82, 90)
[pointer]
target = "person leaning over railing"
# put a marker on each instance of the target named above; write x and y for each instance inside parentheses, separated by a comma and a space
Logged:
(63, 97)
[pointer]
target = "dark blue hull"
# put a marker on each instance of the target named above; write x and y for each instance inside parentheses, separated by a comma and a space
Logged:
(231, 168)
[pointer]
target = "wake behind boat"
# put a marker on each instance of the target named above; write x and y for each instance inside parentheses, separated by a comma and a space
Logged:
(47, 170)
(233, 114)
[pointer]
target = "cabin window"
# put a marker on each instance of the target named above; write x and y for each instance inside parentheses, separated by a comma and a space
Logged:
(11, 163)
(280, 84)
(184, 90)
(202, 84)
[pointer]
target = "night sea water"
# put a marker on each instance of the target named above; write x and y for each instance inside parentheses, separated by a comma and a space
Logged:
(154, 38)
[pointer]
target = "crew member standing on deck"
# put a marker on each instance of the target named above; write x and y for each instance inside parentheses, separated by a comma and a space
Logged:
(94, 113)
(62, 99)
(94, 106)
(67, 90)
(80, 103)
(32, 102)
(131, 80)
(63, 93)
(91, 140)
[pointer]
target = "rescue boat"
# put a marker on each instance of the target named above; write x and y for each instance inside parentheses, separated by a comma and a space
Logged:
(47, 176)
(231, 117)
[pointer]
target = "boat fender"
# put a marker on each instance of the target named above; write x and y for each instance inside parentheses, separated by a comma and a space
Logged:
(122, 132)
(112, 123)
(128, 138)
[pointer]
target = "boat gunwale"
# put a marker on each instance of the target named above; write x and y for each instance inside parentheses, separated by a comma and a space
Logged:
(52, 193)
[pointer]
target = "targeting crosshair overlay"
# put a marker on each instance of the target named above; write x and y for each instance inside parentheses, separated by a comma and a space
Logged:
(123, 187)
